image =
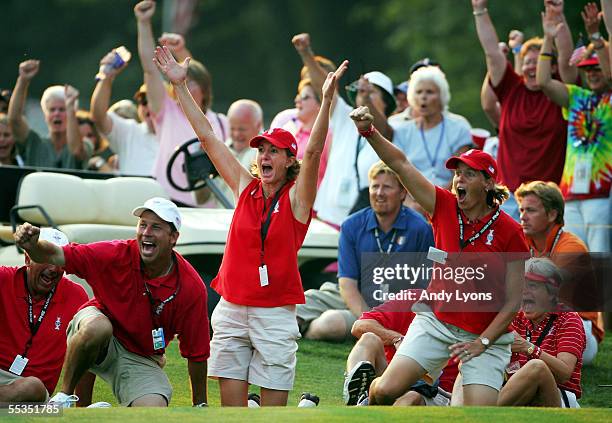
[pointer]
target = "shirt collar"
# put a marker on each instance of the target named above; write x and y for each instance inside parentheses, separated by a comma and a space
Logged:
(400, 223)
(550, 239)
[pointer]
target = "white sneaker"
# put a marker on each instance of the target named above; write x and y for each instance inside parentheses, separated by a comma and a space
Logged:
(64, 400)
(100, 404)
(357, 382)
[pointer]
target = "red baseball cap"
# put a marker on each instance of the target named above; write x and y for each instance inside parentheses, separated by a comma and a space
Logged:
(592, 60)
(476, 159)
(278, 137)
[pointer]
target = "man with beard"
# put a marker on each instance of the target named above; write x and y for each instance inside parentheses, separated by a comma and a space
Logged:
(36, 304)
(145, 294)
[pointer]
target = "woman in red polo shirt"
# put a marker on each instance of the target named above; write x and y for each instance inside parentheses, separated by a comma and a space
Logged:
(548, 346)
(255, 326)
(466, 220)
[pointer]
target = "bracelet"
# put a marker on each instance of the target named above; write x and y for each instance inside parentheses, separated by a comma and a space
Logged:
(368, 132)
(545, 57)
(547, 54)
(480, 12)
(398, 339)
(596, 36)
(536, 352)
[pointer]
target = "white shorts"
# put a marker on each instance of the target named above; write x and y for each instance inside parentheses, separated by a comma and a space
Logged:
(427, 342)
(254, 344)
(571, 399)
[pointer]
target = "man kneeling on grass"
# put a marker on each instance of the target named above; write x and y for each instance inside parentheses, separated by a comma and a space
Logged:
(145, 294)
(380, 332)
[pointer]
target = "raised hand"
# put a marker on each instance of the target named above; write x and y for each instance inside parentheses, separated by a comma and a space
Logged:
(331, 83)
(515, 38)
(26, 236)
(144, 10)
(109, 59)
(555, 6)
(72, 97)
(301, 42)
(362, 118)
(28, 69)
(591, 17)
(173, 41)
(551, 24)
(175, 72)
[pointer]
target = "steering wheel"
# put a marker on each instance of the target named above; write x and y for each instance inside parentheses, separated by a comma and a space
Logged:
(198, 169)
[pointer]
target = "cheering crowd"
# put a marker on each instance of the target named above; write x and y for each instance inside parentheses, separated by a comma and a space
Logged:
(390, 167)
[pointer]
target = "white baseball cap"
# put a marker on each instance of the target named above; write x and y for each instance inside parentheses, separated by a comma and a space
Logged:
(53, 236)
(165, 209)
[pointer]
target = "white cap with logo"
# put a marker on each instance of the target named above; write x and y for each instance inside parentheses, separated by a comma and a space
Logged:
(165, 209)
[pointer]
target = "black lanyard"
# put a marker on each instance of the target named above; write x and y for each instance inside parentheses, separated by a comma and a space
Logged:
(462, 243)
(34, 326)
(432, 161)
(380, 249)
(552, 248)
(157, 307)
(265, 226)
(551, 320)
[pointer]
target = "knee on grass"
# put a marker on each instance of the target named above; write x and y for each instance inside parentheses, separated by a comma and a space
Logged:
(330, 326)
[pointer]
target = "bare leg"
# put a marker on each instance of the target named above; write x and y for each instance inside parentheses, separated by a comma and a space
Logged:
(479, 395)
(457, 395)
(533, 383)
(234, 392)
(410, 398)
(402, 373)
(84, 389)
(27, 389)
(273, 397)
(330, 326)
(368, 348)
(86, 347)
(150, 400)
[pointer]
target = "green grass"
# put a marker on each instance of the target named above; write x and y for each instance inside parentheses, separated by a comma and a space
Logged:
(320, 370)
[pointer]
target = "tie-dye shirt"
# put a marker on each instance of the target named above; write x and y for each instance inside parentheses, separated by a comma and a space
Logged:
(589, 131)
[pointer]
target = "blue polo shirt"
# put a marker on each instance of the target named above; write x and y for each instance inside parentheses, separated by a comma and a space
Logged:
(413, 234)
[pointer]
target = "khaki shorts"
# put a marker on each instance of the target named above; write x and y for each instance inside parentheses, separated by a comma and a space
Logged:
(254, 344)
(7, 378)
(427, 342)
(321, 300)
(130, 375)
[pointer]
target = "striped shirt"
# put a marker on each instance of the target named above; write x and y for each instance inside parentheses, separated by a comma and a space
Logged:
(566, 335)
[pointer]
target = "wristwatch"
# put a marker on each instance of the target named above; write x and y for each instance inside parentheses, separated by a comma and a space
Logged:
(530, 350)
(485, 342)
(596, 36)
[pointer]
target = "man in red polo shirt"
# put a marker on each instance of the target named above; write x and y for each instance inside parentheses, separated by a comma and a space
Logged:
(145, 294)
(36, 305)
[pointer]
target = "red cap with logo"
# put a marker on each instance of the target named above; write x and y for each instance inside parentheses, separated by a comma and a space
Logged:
(277, 137)
(476, 159)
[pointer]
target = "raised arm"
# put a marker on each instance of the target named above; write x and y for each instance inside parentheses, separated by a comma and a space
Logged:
(305, 189)
(144, 12)
(26, 237)
(318, 75)
(230, 169)
(496, 62)
(563, 41)
(19, 125)
(592, 18)
(555, 90)
(100, 100)
(423, 191)
(490, 104)
(176, 44)
(606, 6)
(73, 135)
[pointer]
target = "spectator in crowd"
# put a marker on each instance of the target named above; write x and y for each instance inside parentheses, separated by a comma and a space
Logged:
(145, 294)
(531, 127)
(308, 104)
(37, 303)
(478, 339)
(542, 218)
(547, 350)
(433, 136)
(387, 226)
(104, 158)
(400, 91)
(135, 142)
(63, 148)
(8, 149)
(380, 333)
(254, 323)
(5, 98)
(172, 127)
(586, 180)
(246, 122)
(344, 188)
